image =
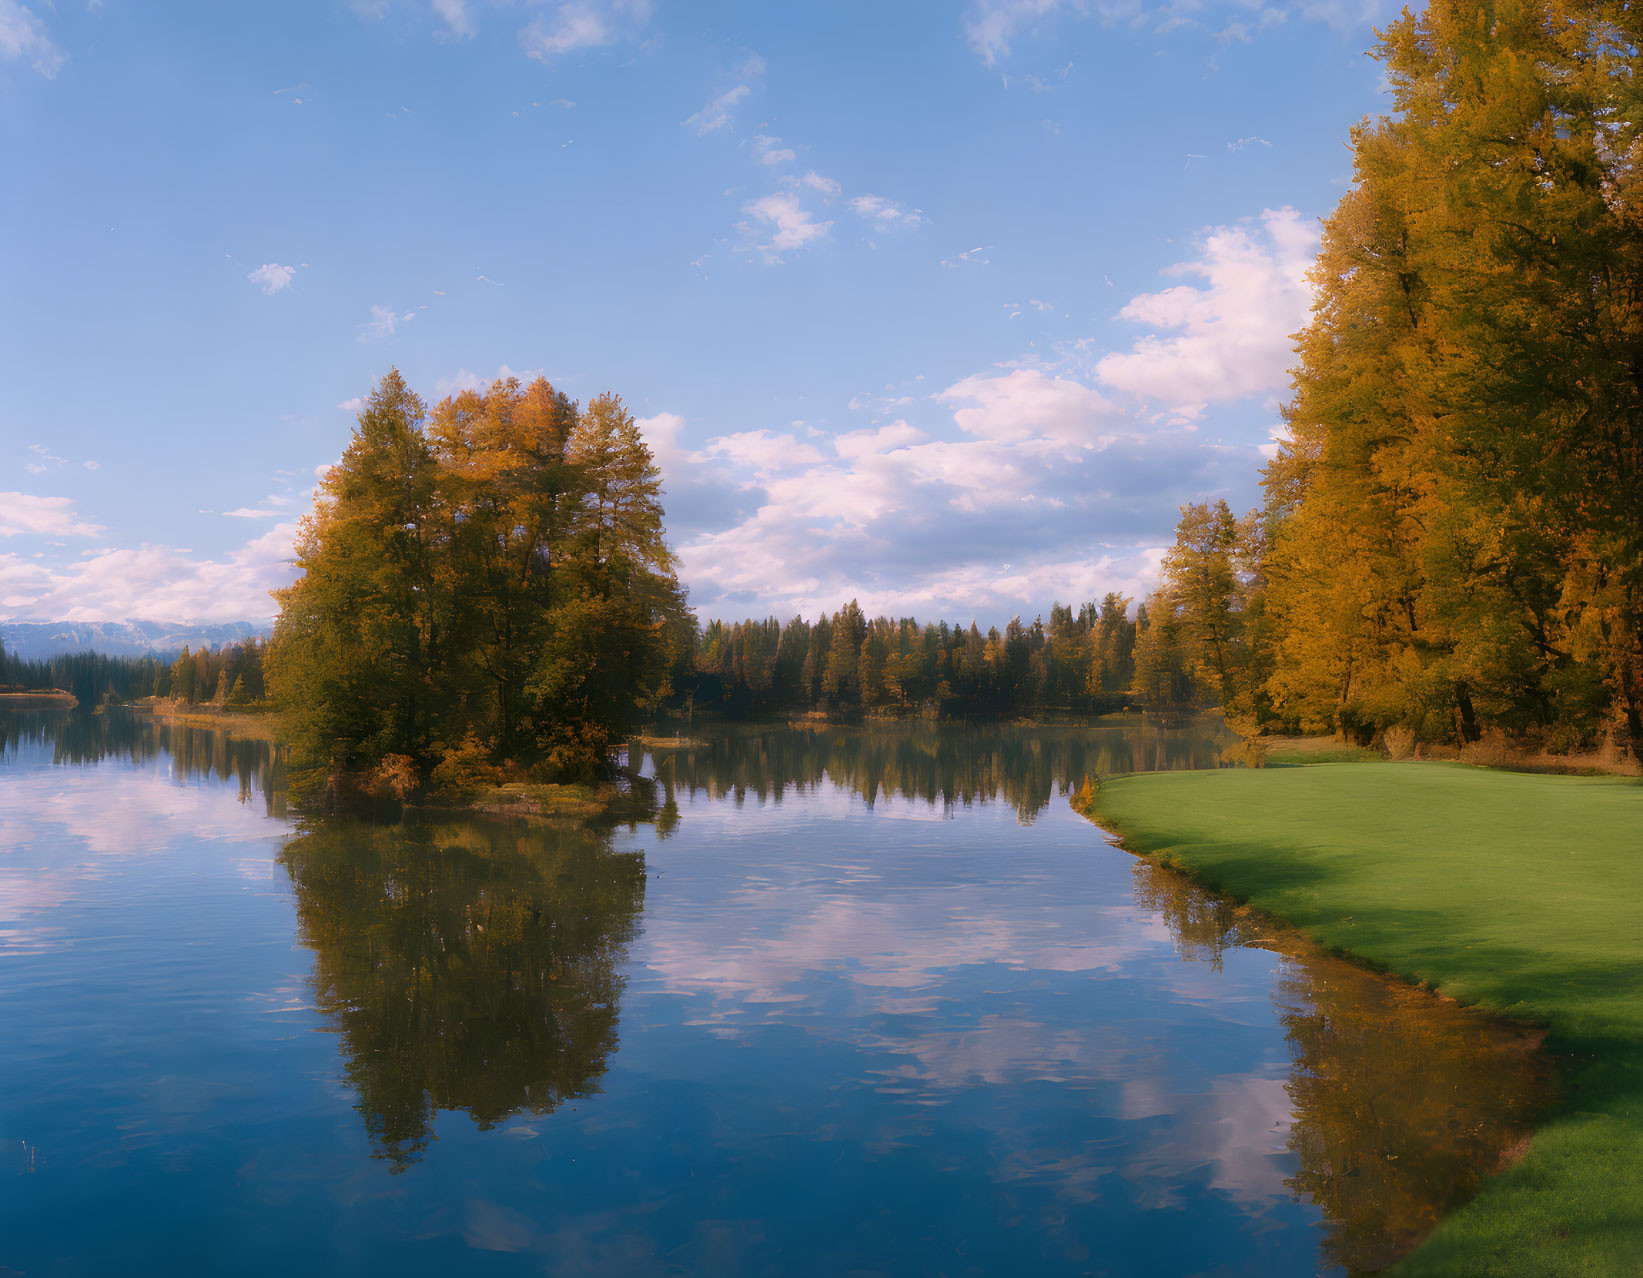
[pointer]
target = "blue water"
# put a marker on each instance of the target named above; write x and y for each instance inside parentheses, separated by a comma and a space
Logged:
(803, 1033)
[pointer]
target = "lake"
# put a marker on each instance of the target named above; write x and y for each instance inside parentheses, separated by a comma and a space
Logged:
(853, 1002)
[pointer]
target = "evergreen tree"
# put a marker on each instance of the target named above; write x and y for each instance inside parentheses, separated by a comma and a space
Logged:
(355, 647)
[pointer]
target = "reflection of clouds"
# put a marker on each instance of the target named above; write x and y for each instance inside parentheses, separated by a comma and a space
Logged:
(771, 925)
(57, 815)
(30, 891)
(904, 942)
(119, 810)
(1144, 1096)
(907, 810)
(493, 1228)
(1250, 1137)
(1000, 1050)
(1238, 1129)
(1016, 989)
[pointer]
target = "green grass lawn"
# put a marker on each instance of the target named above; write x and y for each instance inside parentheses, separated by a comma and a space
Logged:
(1520, 893)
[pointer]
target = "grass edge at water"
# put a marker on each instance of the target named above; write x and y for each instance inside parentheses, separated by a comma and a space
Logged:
(1520, 893)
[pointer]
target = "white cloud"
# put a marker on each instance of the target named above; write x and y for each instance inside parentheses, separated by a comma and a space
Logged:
(42, 516)
(155, 583)
(884, 213)
(716, 113)
(1229, 339)
(464, 380)
(247, 512)
(354, 405)
(878, 405)
(992, 27)
(662, 432)
(828, 188)
(780, 224)
(271, 277)
(1047, 480)
(1027, 404)
(381, 324)
(1039, 488)
(584, 24)
(48, 460)
(23, 35)
(992, 24)
(761, 452)
(458, 20)
(970, 257)
(771, 151)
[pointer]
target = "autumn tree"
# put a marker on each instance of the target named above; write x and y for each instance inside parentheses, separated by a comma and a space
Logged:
(618, 615)
(353, 652)
(1454, 531)
(488, 582)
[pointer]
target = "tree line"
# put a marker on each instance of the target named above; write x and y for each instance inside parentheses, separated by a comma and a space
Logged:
(1451, 540)
(90, 676)
(481, 582)
(228, 675)
(844, 662)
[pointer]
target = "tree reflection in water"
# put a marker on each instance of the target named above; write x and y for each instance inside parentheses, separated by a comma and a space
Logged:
(83, 737)
(953, 765)
(1401, 1101)
(468, 965)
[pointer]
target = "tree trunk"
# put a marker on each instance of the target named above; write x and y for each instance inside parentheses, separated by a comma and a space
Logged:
(1469, 730)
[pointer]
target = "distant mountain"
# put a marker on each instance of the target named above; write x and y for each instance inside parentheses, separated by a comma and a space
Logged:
(39, 639)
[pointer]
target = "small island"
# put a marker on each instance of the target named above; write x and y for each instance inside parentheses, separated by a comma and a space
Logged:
(486, 597)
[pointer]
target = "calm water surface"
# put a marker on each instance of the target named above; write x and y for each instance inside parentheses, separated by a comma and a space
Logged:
(853, 1003)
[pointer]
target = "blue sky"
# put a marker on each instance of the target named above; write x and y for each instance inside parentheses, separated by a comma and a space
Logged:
(946, 307)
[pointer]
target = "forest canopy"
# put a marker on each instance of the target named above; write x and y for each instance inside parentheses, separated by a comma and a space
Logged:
(485, 582)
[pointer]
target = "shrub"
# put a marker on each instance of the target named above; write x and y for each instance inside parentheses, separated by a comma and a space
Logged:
(462, 769)
(395, 777)
(1247, 754)
(1399, 741)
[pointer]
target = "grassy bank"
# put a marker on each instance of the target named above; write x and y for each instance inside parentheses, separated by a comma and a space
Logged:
(38, 699)
(1520, 893)
(251, 725)
(563, 803)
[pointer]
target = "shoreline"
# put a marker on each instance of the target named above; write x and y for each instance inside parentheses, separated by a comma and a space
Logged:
(553, 803)
(1516, 922)
(38, 699)
(251, 725)
(1492, 752)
